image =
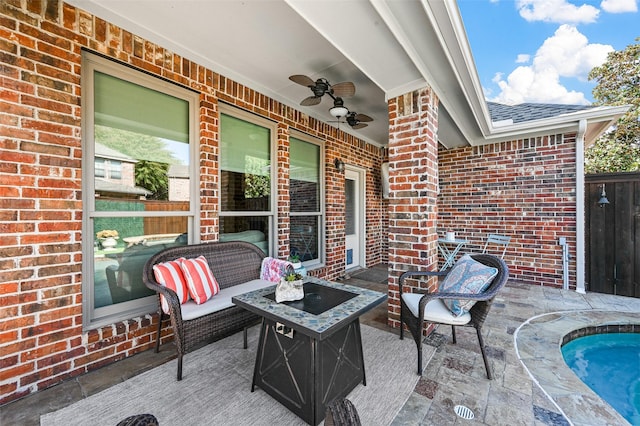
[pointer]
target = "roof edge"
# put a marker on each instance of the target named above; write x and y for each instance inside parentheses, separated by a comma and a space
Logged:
(598, 119)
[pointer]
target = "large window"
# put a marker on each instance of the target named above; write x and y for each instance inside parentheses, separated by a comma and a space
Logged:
(140, 138)
(306, 195)
(247, 205)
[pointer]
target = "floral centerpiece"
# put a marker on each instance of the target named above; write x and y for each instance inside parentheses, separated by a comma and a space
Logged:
(290, 287)
(292, 276)
(108, 238)
(107, 233)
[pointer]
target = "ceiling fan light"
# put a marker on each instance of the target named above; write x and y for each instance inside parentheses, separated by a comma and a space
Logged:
(338, 111)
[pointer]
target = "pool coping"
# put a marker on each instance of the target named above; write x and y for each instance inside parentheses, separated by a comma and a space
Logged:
(537, 343)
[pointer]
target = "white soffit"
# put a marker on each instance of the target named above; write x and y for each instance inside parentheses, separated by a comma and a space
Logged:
(385, 47)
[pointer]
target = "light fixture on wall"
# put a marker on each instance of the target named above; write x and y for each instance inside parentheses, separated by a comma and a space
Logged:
(339, 165)
(603, 198)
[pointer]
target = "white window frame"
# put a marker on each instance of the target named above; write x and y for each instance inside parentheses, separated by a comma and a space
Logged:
(93, 317)
(320, 261)
(272, 214)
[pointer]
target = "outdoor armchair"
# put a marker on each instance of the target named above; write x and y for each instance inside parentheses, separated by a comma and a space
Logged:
(418, 308)
(497, 242)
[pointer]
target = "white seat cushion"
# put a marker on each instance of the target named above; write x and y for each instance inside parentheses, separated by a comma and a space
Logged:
(435, 311)
(222, 300)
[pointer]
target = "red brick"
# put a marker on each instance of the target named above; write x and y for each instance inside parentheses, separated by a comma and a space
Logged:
(16, 371)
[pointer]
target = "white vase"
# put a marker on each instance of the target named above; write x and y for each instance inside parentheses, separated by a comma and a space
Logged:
(109, 243)
(287, 291)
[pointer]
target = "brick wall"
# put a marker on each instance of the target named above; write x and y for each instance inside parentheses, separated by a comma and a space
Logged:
(41, 337)
(524, 189)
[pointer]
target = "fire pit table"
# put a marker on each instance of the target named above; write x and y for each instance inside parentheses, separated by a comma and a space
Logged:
(310, 350)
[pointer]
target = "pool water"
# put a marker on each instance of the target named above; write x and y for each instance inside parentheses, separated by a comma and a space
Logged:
(610, 365)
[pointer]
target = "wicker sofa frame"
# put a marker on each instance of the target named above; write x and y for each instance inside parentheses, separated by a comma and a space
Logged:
(479, 311)
(232, 263)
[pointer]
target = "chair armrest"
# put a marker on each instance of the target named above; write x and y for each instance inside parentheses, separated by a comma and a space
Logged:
(170, 296)
(417, 274)
(467, 296)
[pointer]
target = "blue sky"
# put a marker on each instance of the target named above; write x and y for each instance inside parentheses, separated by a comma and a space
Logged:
(543, 50)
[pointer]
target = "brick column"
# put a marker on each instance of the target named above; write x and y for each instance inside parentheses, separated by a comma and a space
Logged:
(282, 162)
(413, 176)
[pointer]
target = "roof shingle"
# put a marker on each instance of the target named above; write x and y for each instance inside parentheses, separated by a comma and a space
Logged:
(530, 111)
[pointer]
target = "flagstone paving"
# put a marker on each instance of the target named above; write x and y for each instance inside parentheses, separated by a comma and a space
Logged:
(454, 375)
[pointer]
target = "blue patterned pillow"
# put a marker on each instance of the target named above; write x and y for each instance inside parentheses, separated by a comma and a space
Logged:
(466, 276)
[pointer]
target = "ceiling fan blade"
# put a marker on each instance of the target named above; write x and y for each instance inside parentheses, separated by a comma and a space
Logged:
(363, 117)
(310, 101)
(302, 80)
(359, 126)
(342, 90)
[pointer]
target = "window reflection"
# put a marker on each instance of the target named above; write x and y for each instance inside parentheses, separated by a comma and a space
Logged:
(245, 164)
(137, 183)
(252, 229)
(303, 237)
(130, 165)
(304, 193)
(122, 248)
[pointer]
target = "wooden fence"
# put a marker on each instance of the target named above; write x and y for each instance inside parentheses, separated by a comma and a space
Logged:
(613, 233)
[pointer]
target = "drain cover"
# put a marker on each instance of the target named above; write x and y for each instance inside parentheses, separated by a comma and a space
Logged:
(463, 412)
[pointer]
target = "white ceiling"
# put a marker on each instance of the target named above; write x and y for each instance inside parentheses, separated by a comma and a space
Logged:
(386, 48)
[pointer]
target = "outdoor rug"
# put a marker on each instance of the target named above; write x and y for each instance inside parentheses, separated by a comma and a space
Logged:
(216, 388)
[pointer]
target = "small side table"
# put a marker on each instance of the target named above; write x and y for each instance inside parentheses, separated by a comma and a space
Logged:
(449, 249)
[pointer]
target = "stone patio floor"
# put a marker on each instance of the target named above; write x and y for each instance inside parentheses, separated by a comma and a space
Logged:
(455, 375)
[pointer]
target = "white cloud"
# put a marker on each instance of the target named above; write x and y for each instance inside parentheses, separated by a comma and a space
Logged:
(523, 58)
(619, 6)
(526, 85)
(566, 54)
(559, 11)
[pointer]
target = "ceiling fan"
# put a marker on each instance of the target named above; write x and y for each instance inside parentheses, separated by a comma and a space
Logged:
(321, 86)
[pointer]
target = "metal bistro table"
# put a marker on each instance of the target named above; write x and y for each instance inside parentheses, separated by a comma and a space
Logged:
(310, 351)
(449, 249)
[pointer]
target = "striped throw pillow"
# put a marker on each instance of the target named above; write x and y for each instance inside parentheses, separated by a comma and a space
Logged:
(170, 275)
(201, 283)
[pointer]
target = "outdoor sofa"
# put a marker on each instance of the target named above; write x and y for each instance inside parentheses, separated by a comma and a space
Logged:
(236, 267)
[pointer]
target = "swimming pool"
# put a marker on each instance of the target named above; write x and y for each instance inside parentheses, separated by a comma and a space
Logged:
(609, 364)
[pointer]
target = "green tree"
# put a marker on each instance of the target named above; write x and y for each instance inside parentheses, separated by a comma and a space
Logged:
(152, 175)
(257, 183)
(618, 83)
(151, 152)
